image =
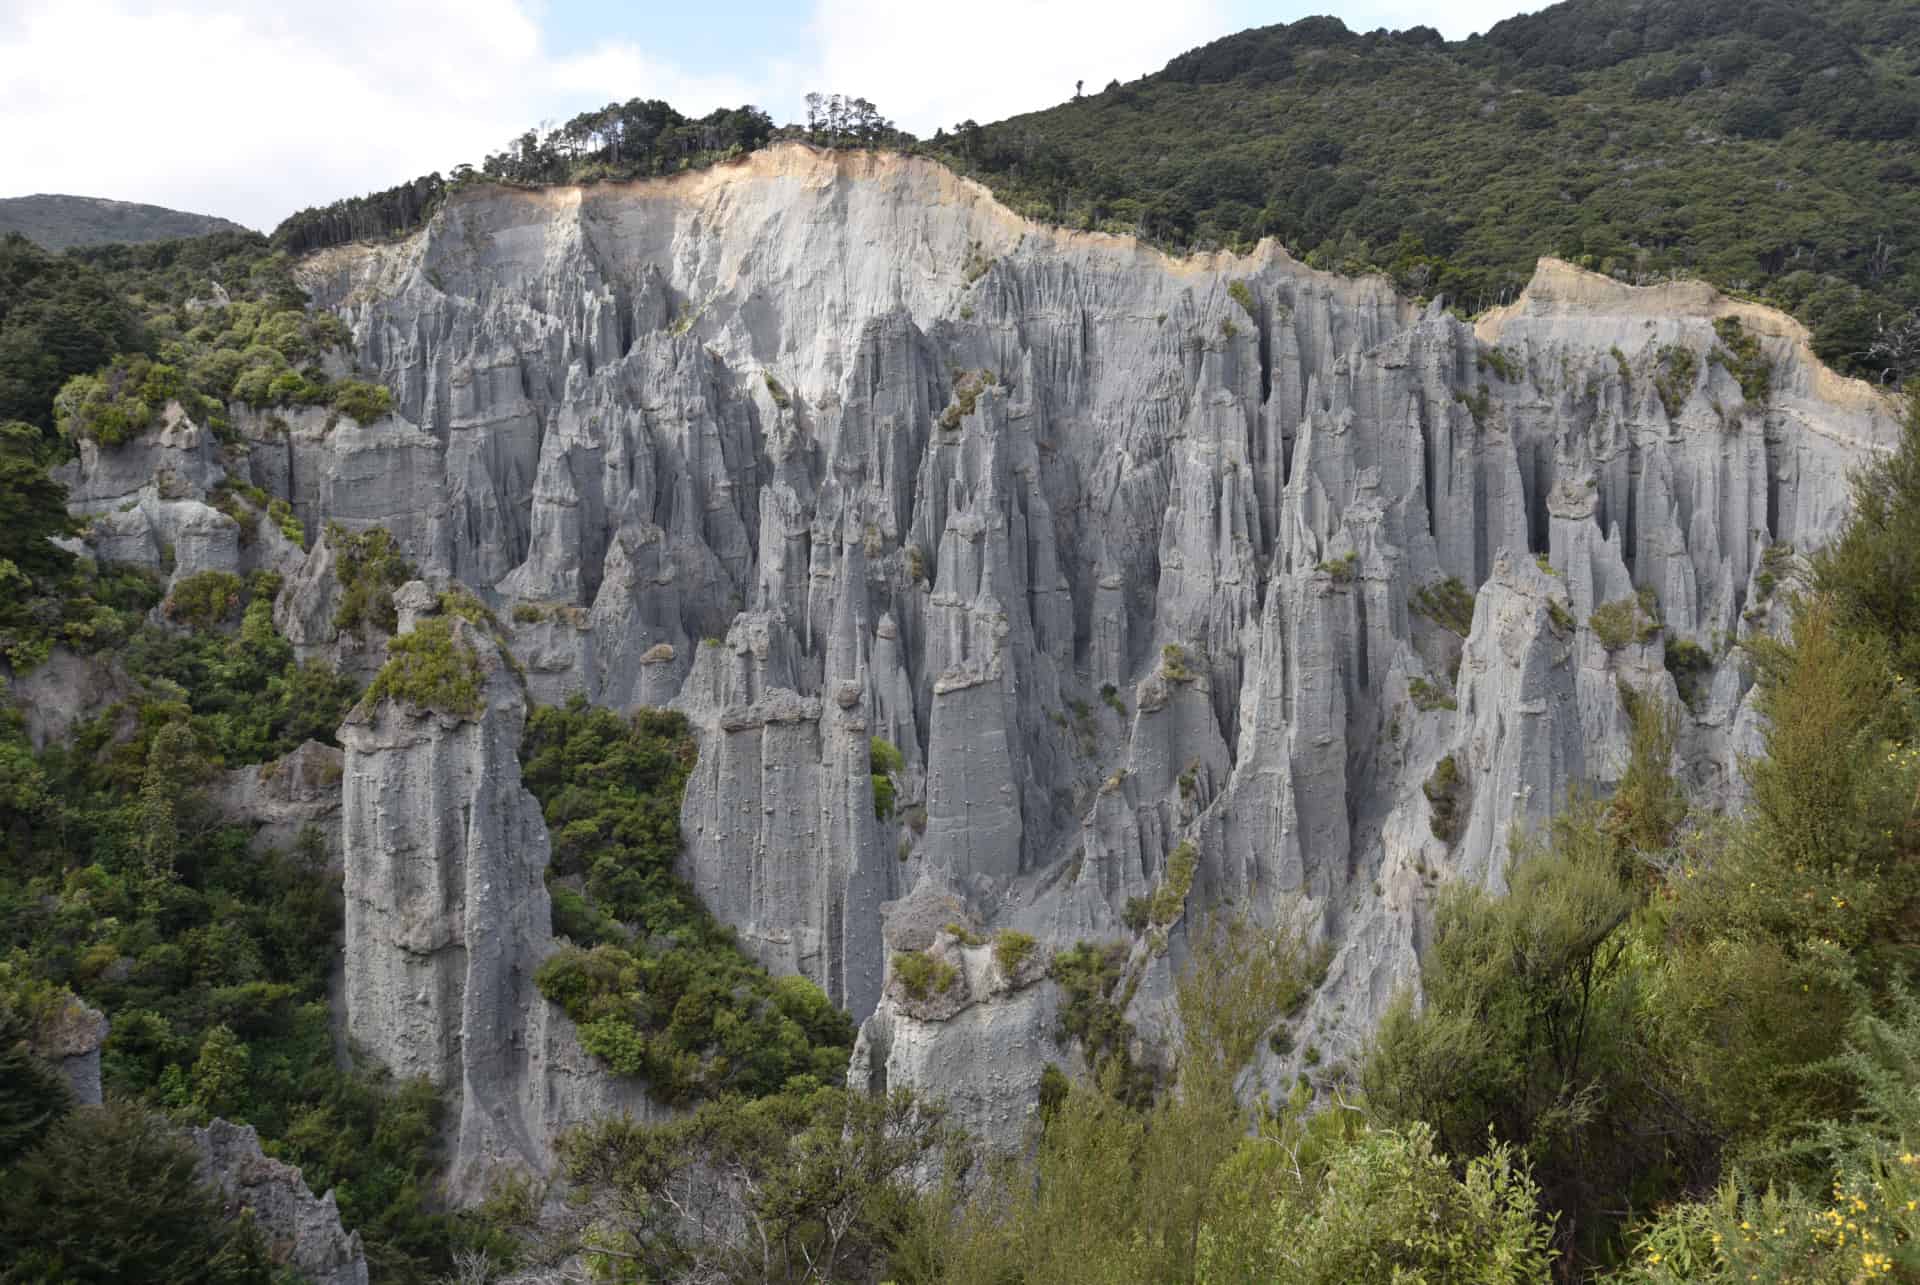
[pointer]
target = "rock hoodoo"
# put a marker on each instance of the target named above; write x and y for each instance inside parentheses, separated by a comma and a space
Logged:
(1128, 556)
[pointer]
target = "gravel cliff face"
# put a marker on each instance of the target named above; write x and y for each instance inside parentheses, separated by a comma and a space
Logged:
(1123, 552)
(448, 917)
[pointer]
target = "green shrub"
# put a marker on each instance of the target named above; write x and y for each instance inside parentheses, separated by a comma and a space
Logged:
(966, 395)
(1241, 295)
(1096, 993)
(282, 516)
(243, 504)
(1673, 380)
(458, 600)
(776, 391)
(1621, 622)
(1173, 663)
(922, 976)
(1340, 568)
(1111, 695)
(430, 668)
(1688, 662)
(1169, 900)
(1445, 788)
(885, 763)
(204, 599)
(361, 401)
(528, 613)
(668, 987)
(1448, 603)
(1740, 353)
(1011, 949)
(1429, 696)
(1505, 366)
(1479, 404)
(1868, 573)
(120, 403)
(369, 567)
(961, 933)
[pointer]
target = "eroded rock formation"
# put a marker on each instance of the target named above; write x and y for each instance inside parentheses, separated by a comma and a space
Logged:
(302, 1231)
(447, 918)
(1122, 552)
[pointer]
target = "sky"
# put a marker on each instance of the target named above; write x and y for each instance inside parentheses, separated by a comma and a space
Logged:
(252, 109)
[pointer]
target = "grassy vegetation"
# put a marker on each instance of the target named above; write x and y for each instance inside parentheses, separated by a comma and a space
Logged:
(1624, 621)
(1012, 949)
(922, 976)
(1428, 697)
(1169, 900)
(885, 764)
(1676, 370)
(1448, 603)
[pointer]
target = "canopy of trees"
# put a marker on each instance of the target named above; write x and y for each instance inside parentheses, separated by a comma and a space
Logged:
(1765, 146)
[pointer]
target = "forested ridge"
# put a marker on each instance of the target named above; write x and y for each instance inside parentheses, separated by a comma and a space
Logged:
(1767, 147)
(62, 222)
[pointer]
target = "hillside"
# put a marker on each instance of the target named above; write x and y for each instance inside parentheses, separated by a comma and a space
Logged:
(1766, 146)
(62, 222)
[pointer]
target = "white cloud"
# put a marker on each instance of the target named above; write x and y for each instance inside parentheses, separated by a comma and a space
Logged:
(251, 109)
(930, 65)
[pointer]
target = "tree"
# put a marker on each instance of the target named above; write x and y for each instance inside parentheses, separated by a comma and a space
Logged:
(220, 1073)
(806, 1185)
(1529, 1030)
(1870, 574)
(33, 1096)
(33, 507)
(111, 1195)
(169, 769)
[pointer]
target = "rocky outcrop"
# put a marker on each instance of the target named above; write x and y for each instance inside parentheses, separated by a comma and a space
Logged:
(70, 1038)
(63, 691)
(447, 918)
(147, 503)
(1129, 556)
(290, 801)
(301, 1231)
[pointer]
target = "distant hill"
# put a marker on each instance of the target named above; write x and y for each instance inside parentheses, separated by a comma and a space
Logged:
(60, 222)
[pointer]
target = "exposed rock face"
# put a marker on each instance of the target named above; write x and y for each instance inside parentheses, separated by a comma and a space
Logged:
(447, 918)
(285, 800)
(982, 1042)
(302, 1231)
(146, 504)
(63, 691)
(1120, 551)
(71, 1039)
